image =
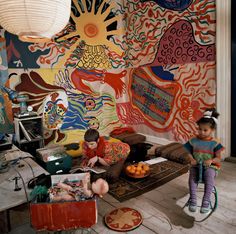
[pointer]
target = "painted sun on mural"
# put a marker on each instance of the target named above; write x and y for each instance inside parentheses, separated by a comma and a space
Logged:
(149, 64)
(92, 24)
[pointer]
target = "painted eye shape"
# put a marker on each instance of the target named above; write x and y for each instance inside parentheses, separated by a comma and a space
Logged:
(60, 111)
(90, 104)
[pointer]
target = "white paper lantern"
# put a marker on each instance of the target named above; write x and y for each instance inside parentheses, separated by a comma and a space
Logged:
(34, 20)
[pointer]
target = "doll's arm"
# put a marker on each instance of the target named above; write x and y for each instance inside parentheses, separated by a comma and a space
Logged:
(86, 182)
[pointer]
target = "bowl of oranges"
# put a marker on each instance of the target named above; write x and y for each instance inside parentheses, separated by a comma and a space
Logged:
(138, 170)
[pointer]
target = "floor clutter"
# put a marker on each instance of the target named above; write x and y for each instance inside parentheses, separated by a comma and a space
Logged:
(127, 180)
(161, 210)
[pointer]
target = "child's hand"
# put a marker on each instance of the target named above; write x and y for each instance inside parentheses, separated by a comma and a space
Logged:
(193, 162)
(207, 162)
(92, 161)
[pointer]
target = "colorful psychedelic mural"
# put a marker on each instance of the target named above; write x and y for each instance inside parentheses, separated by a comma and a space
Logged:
(145, 64)
(6, 120)
(65, 109)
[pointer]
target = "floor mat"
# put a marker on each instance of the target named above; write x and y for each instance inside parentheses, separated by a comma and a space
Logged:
(126, 188)
(123, 219)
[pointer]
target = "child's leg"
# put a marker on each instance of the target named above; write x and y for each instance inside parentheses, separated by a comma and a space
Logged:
(193, 177)
(209, 180)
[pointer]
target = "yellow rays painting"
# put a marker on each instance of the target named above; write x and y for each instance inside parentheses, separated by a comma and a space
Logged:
(91, 26)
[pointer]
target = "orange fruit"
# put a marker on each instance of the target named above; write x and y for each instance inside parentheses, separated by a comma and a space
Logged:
(133, 167)
(128, 168)
(140, 164)
(142, 172)
(137, 173)
(132, 171)
(146, 167)
(139, 168)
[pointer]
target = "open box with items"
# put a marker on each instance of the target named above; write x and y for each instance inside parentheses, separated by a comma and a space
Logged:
(54, 159)
(70, 204)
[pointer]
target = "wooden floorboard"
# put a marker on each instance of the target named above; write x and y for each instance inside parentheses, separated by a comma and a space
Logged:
(162, 210)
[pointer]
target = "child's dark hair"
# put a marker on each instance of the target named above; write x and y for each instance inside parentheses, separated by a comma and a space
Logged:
(91, 135)
(209, 117)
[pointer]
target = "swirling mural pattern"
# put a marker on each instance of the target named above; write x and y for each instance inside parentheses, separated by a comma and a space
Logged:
(99, 62)
(195, 91)
(128, 114)
(178, 46)
(66, 110)
(175, 5)
(119, 47)
(81, 112)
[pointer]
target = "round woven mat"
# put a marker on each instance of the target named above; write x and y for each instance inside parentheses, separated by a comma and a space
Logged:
(123, 219)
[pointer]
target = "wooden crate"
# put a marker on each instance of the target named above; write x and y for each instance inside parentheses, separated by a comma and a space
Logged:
(57, 216)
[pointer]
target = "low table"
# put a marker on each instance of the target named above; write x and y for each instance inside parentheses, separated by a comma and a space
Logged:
(160, 173)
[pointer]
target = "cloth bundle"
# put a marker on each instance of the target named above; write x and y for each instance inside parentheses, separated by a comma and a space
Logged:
(174, 152)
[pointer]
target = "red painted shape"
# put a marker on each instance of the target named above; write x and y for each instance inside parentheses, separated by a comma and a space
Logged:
(63, 216)
(78, 76)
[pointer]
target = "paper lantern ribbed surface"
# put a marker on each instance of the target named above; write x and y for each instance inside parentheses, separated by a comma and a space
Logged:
(34, 19)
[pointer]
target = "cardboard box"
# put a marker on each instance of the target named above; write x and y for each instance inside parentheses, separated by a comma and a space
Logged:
(45, 153)
(58, 216)
(54, 159)
(62, 164)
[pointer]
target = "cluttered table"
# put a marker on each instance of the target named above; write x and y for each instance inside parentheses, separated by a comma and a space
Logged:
(17, 169)
(56, 215)
(14, 180)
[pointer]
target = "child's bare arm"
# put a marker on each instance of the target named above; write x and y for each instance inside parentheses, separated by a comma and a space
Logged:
(217, 158)
(102, 161)
(192, 160)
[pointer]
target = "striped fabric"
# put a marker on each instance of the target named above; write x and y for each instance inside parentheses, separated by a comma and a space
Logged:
(174, 152)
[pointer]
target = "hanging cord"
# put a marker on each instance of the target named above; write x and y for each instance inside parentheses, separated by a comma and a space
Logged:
(14, 162)
(29, 165)
(23, 182)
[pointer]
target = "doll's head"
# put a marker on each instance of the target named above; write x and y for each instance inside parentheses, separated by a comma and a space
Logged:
(100, 187)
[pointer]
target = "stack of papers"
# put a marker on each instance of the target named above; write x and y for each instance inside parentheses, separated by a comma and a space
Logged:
(155, 160)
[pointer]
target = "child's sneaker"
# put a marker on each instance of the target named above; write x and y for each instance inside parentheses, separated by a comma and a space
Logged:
(205, 208)
(192, 206)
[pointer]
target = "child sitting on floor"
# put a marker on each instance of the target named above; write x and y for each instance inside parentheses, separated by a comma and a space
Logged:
(204, 148)
(97, 150)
